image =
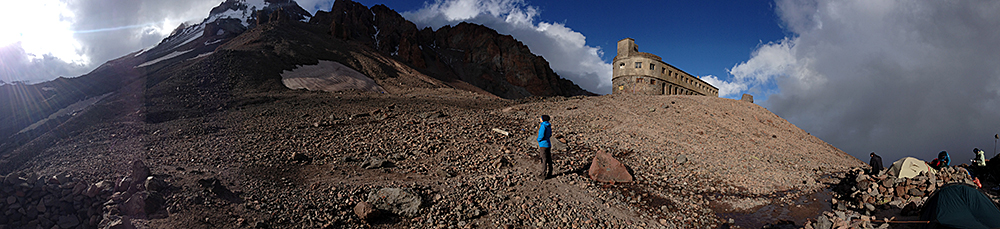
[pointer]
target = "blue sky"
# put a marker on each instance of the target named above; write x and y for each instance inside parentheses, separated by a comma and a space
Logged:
(898, 77)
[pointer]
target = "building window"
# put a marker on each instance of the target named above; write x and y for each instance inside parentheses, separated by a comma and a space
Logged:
(652, 66)
(652, 81)
(638, 80)
(663, 70)
(621, 65)
(638, 64)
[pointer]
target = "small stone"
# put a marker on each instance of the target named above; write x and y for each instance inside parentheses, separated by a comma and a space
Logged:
(681, 160)
(823, 222)
(366, 211)
(11, 200)
(299, 157)
(68, 221)
(374, 163)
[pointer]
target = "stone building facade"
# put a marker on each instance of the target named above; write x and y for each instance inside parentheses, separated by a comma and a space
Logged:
(643, 73)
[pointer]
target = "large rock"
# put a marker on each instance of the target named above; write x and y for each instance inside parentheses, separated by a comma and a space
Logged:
(139, 171)
(141, 204)
(605, 168)
(396, 201)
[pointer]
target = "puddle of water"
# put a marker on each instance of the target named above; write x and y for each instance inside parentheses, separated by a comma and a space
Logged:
(803, 208)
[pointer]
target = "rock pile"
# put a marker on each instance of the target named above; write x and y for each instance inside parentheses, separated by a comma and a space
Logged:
(64, 201)
(861, 195)
(58, 201)
(867, 191)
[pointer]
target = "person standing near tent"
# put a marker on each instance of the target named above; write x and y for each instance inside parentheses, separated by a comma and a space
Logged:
(876, 164)
(544, 146)
(943, 160)
(980, 159)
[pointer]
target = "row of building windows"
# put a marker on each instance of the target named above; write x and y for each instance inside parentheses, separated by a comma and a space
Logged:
(670, 90)
(663, 70)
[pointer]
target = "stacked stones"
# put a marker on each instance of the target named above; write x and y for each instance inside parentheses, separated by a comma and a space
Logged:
(64, 201)
(870, 191)
(59, 201)
(862, 193)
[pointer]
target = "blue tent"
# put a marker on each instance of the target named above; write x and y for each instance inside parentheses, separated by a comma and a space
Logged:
(960, 206)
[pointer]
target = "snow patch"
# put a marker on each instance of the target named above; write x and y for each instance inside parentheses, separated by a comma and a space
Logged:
(201, 55)
(142, 51)
(70, 110)
(167, 57)
(189, 40)
(207, 43)
(328, 76)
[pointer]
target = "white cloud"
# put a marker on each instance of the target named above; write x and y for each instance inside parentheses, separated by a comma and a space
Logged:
(565, 50)
(71, 37)
(895, 77)
(726, 89)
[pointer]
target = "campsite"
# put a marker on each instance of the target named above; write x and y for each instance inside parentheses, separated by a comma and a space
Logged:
(910, 193)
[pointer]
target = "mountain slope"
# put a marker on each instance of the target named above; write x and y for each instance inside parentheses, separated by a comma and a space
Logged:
(469, 53)
(520, 73)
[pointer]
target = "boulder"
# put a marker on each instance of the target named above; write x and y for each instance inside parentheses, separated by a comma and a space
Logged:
(605, 168)
(366, 211)
(155, 184)
(141, 204)
(396, 201)
(139, 171)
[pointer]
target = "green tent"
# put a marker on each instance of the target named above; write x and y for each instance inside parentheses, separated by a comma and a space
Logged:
(960, 206)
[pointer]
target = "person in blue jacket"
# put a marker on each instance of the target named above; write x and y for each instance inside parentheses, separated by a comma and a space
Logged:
(943, 160)
(544, 146)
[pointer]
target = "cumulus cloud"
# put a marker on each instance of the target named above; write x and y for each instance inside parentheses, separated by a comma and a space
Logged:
(895, 77)
(16, 65)
(565, 49)
(726, 88)
(71, 37)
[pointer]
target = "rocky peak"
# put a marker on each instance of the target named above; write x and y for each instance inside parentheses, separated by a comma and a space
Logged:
(471, 53)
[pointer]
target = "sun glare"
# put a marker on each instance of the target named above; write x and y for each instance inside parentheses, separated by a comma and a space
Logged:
(42, 27)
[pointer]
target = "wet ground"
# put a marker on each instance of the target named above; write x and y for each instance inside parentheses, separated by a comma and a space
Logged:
(802, 209)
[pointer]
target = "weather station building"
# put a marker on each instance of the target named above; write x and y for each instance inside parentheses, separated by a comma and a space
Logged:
(642, 73)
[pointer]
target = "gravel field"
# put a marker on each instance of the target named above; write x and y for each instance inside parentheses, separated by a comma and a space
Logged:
(299, 159)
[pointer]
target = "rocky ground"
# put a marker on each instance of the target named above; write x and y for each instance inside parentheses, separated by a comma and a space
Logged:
(866, 200)
(299, 159)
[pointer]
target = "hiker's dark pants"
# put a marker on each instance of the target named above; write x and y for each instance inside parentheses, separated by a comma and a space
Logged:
(546, 155)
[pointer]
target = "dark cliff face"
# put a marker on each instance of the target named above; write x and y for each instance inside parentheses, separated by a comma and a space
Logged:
(466, 52)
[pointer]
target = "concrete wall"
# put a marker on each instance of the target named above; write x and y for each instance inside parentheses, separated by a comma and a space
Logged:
(637, 72)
